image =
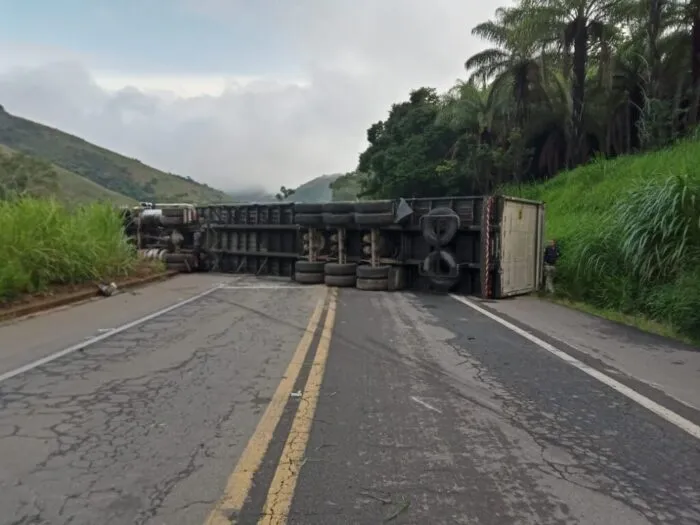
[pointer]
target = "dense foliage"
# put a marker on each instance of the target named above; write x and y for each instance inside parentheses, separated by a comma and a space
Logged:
(564, 82)
(570, 83)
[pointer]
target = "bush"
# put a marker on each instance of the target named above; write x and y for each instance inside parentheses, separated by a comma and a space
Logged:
(44, 243)
(629, 231)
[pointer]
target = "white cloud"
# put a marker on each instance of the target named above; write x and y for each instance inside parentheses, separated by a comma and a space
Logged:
(356, 57)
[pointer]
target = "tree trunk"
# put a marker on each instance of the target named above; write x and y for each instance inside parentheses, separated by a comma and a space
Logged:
(695, 63)
(578, 88)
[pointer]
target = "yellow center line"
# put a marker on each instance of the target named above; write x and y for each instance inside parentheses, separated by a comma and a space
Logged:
(281, 493)
(241, 480)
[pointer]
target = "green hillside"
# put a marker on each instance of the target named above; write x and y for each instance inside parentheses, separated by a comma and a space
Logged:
(105, 168)
(629, 230)
(21, 172)
(316, 190)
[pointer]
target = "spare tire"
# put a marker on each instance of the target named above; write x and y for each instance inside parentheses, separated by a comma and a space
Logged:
(438, 260)
(440, 226)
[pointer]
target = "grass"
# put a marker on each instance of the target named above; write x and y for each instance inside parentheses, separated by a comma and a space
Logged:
(46, 243)
(67, 187)
(629, 231)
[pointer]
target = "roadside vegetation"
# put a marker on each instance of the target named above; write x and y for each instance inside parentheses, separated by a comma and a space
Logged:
(629, 231)
(562, 86)
(46, 244)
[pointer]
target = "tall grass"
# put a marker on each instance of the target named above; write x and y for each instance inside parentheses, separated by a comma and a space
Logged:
(629, 230)
(44, 243)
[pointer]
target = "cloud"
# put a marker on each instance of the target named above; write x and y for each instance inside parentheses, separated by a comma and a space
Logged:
(232, 131)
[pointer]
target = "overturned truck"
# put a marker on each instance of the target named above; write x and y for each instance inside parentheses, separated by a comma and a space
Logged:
(489, 246)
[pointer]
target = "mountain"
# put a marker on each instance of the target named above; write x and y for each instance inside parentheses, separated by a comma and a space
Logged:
(114, 172)
(316, 190)
(251, 195)
(21, 172)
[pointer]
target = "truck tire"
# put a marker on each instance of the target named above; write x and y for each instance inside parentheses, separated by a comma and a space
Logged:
(169, 258)
(443, 284)
(439, 231)
(309, 278)
(308, 207)
(309, 267)
(340, 281)
(338, 207)
(308, 219)
(338, 269)
(181, 267)
(338, 219)
(374, 219)
(373, 272)
(374, 207)
(372, 285)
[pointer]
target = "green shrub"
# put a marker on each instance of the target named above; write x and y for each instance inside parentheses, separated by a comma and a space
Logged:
(629, 231)
(45, 243)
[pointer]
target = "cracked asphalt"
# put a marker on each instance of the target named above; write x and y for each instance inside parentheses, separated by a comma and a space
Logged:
(146, 426)
(428, 413)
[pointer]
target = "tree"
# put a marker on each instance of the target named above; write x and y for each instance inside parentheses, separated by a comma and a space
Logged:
(562, 81)
(284, 193)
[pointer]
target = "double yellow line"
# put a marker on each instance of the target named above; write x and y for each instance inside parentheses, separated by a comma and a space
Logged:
(281, 492)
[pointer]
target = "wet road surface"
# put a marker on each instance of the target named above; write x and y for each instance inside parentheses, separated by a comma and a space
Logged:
(265, 404)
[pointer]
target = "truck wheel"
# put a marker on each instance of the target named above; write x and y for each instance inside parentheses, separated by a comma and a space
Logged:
(338, 219)
(337, 269)
(373, 285)
(338, 207)
(438, 231)
(372, 272)
(309, 267)
(308, 278)
(308, 219)
(374, 219)
(308, 207)
(341, 281)
(374, 207)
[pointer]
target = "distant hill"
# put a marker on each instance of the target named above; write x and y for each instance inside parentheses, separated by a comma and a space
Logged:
(316, 190)
(122, 175)
(21, 172)
(251, 195)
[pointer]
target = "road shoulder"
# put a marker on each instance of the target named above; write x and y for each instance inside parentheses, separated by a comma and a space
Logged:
(27, 340)
(654, 365)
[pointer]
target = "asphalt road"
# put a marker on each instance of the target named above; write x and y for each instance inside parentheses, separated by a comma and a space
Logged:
(299, 405)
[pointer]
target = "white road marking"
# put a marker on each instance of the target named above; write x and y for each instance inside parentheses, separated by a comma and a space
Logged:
(670, 416)
(426, 405)
(101, 337)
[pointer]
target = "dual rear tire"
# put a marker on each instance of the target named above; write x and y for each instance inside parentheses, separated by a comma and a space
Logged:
(343, 275)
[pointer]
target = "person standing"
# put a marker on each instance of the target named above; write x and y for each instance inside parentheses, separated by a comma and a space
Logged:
(551, 256)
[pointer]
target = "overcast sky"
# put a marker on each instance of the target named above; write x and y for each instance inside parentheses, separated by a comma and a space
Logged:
(234, 93)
